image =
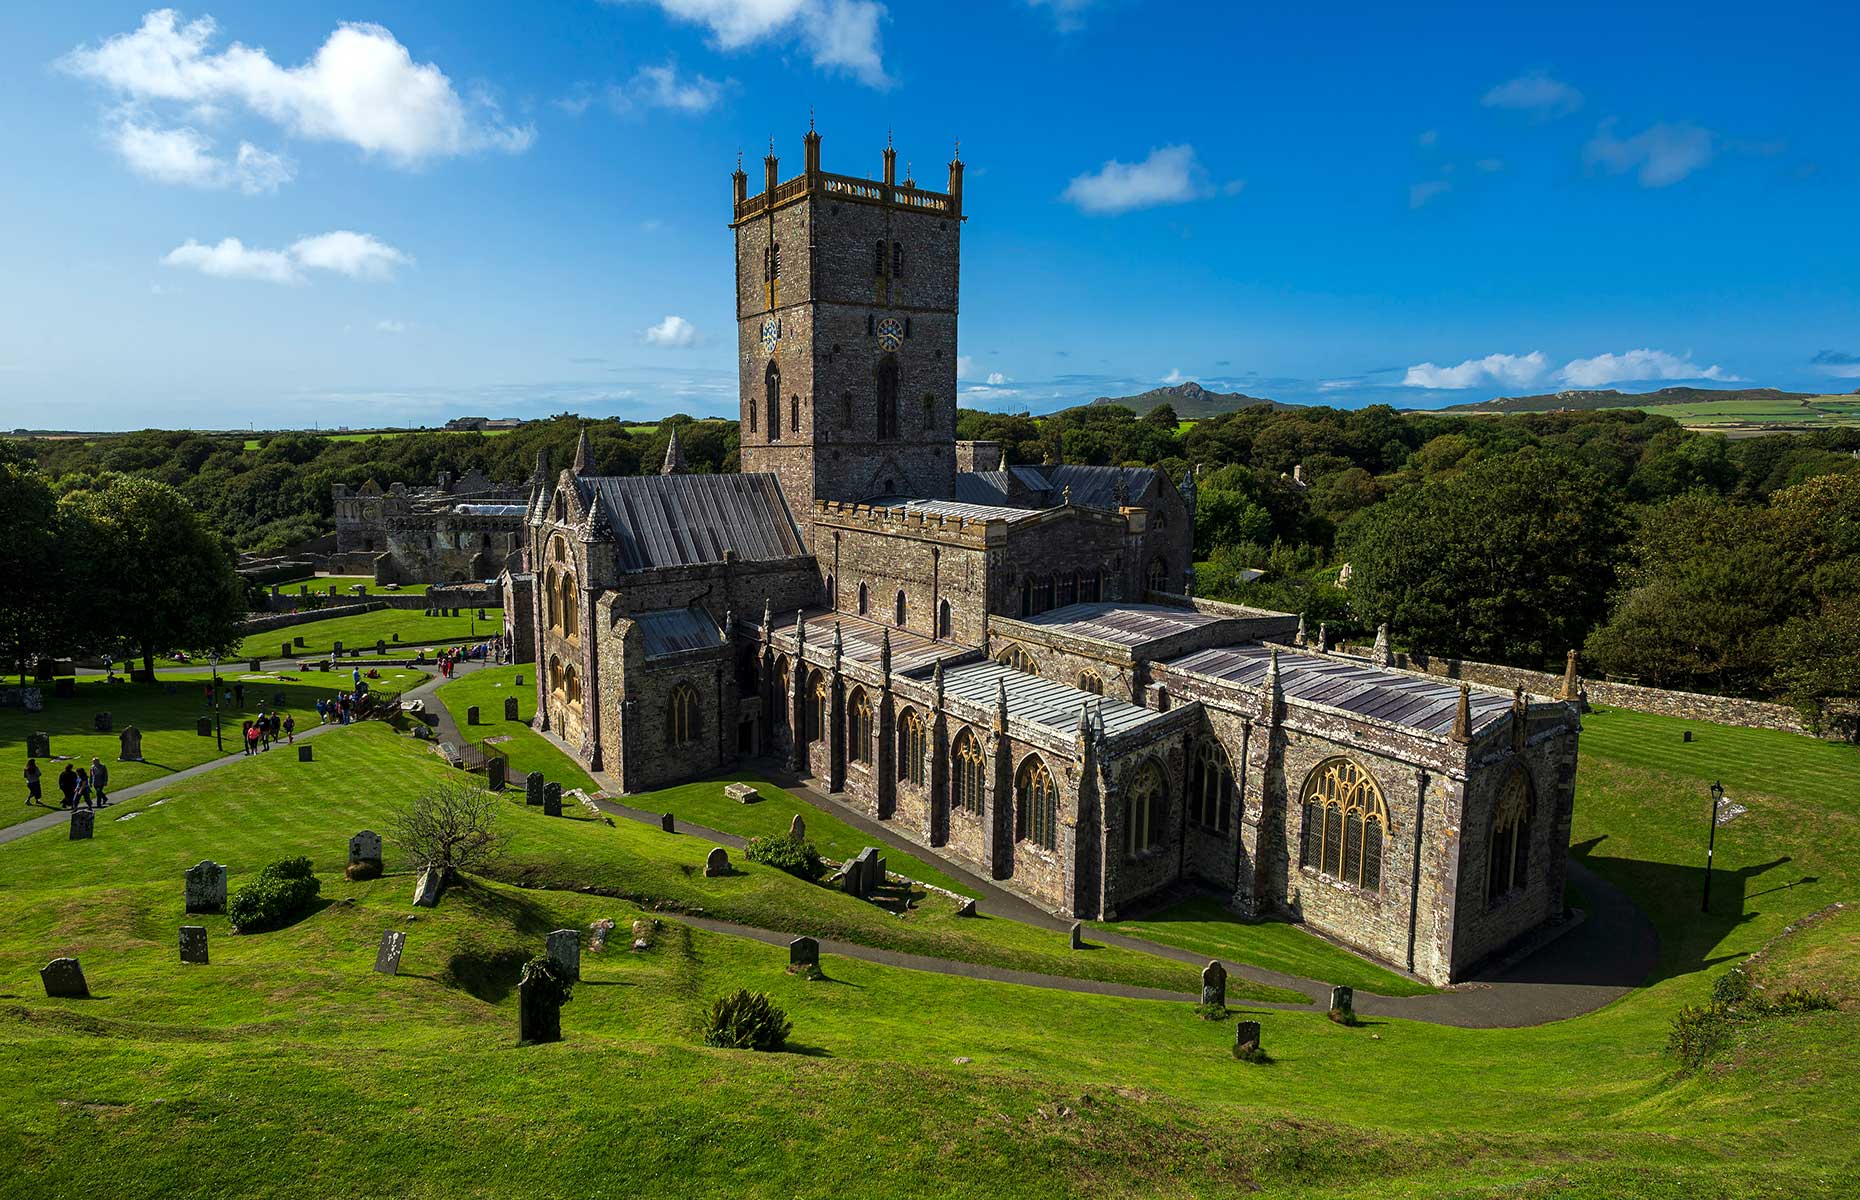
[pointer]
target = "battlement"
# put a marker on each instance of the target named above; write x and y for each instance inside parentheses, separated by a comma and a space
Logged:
(886, 192)
(847, 514)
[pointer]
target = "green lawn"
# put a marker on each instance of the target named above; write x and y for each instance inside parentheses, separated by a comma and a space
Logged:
(256, 443)
(527, 750)
(1818, 412)
(289, 1068)
(363, 629)
(320, 585)
(1203, 925)
(169, 740)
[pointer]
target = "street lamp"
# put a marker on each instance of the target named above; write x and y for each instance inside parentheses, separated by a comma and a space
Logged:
(218, 741)
(1711, 840)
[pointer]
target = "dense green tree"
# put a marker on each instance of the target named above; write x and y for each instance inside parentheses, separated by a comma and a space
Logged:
(32, 584)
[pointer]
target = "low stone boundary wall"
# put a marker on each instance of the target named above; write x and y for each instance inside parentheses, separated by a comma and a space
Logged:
(284, 620)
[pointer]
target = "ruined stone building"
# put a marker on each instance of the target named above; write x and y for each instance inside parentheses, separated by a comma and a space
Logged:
(457, 530)
(1005, 663)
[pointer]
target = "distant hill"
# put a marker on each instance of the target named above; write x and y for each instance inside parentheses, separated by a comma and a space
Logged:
(1191, 401)
(1613, 399)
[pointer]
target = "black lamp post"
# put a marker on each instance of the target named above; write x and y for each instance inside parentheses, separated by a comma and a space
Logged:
(217, 739)
(1711, 840)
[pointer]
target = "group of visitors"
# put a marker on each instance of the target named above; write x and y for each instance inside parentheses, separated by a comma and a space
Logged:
(268, 728)
(344, 707)
(78, 788)
(450, 656)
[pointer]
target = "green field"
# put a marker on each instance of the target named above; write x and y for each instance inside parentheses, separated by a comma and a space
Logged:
(289, 1068)
(253, 443)
(364, 629)
(1752, 417)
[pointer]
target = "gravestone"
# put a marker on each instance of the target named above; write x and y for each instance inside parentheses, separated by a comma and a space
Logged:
(426, 888)
(1343, 1000)
(387, 955)
(533, 788)
(303, 752)
(38, 745)
(539, 1014)
(597, 935)
(206, 887)
(338, 647)
(380, 645)
(64, 979)
(83, 822)
(255, 665)
(471, 715)
(510, 709)
(552, 800)
(1246, 1039)
(1214, 985)
(204, 726)
(1686, 736)
(297, 642)
(365, 847)
(397, 637)
(717, 862)
(102, 722)
(65, 688)
(1078, 935)
(494, 774)
(129, 744)
(863, 873)
(966, 908)
(194, 944)
(666, 824)
(284, 649)
(642, 934)
(742, 793)
(564, 947)
(519, 681)
(804, 952)
(797, 828)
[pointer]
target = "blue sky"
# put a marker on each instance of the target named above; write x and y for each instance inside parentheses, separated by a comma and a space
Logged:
(285, 215)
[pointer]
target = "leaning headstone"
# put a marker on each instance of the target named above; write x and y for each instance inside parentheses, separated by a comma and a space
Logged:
(130, 744)
(206, 887)
(471, 715)
(303, 753)
(666, 824)
(285, 649)
(63, 978)
(797, 828)
(38, 745)
(1078, 935)
(83, 822)
(194, 944)
(519, 681)
(365, 847)
(387, 956)
(717, 862)
(1214, 985)
(426, 889)
(102, 722)
(742, 793)
(597, 934)
(804, 952)
(510, 709)
(533, 788)
(297, 643)
(204, 726)
(966, 908)
(494, 774)
(552, 800)
(539, 1014)
(1246, 1039)
(564, 946)
(1343, 1001)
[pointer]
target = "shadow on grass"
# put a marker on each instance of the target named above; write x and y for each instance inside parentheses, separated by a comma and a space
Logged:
(298, 918)
(806, 1051)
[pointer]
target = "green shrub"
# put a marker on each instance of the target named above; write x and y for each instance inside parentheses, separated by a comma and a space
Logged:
(1732, 987)
(745, 1021)
(1799, 1000)
(547, 975)
(1699, 1032)
(786, 853)
(278, 893)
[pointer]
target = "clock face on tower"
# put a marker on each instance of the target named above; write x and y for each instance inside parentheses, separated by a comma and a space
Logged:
(771, 333)
(890, 333)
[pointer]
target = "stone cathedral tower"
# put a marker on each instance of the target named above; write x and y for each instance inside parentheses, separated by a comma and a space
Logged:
(846, 301)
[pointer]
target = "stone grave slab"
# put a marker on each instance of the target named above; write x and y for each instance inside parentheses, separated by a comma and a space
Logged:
(206, 887)
(64, 979)
(387, 955)
(194, 944)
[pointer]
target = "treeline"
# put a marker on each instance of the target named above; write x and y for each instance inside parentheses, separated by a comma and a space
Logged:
(278, 494)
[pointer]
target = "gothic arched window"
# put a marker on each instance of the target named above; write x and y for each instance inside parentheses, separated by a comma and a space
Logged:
(681, 716)
(794, 414)
(772, 386)
(911, 747)
(1211, 787)
(1507, 859)
(970, 785)
(1036, 804)
(859, 727)
(816, 709)
(900, 609)
(1158, 578)
(1143, 816)
(1043, 594)
(888, 397)
(1089, 681)
(945, 620)
(1091, 586)
(864, 599)
(1346, 823)
(571, 684)
(779, 687)
(878, 257)
(1016, 658)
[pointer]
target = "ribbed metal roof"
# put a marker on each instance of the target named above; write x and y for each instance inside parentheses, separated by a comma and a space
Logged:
(861, 639)
(674, 630)
(982, 487)
(1041, 701)
(1096, 487)
(681, 520)
(1407, 700)
(1124, 624)
(956, 508)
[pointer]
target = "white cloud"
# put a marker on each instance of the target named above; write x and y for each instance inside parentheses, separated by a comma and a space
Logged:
(996, 379)
(663, 87)
(1663, 154)
(672, 331)
(839, 35)
(1535, 91)
(1420, 193)
(1169, 175)
(1508, 370)
(357, 255)
(389, 325)
(1636, 365)
(185, 156)
(1174, 375)
(361, 87)
(1838, 363)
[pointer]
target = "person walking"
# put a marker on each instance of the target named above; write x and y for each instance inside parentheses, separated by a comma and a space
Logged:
(80, 791)
(67, 785)
(251, 740)
(99, 779)
(239, 694)
(290, 729)
(355, 676)
(33, 776)
(210, 703)
(322, 710)
(276, 725)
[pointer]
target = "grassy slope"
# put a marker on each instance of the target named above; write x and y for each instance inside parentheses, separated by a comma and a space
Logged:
(527, 750)
(363, 629)
(169, 740)
(270, 1065)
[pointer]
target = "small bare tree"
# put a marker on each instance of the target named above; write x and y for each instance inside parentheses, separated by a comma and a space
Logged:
(452, 828)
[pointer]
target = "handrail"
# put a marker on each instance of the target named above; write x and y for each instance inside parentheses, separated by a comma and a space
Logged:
(848, 187)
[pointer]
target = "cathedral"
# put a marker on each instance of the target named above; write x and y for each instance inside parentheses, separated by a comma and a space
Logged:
(1007, 664)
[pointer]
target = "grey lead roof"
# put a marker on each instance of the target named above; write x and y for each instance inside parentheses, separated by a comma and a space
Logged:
(957, 508)
(681, 520)
(674, 630)
(982, 487)
(1124, 624)
(860, 640)
(1041, 701)
(1093, 487)
(1407, 700)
